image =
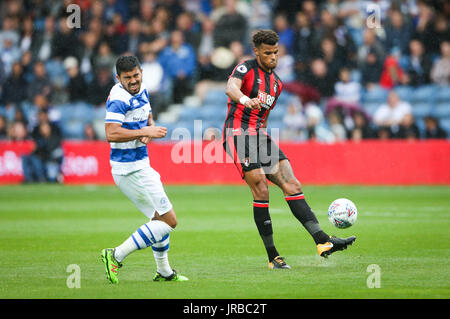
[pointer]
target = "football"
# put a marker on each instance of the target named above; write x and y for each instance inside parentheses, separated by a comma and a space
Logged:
(342, 213)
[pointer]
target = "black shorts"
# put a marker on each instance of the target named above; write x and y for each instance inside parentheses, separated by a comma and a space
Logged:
(251, 152)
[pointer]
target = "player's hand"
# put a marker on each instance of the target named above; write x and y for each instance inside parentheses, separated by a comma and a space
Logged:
(254, 104)
(154, 131)
(145, 139)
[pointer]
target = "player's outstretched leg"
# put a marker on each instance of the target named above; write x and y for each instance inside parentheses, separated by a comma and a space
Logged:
(258, 185)
(283, 177)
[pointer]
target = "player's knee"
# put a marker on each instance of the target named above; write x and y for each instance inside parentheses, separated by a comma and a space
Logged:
(261, 191)
(292, 187)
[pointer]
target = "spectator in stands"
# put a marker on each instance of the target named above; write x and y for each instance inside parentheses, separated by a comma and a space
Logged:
(320, 78)
(362, 128)
(285, 66)
(371, 70)
(159, 38)
(3, 128)
(41, 45)
(17, 131)
(370, 44)
(100, 86)
(331, 56)
(316, 126)
(87, 53)
(9, 31)
(77, 86)
(41, 83)
(205, 50)
(390, 114)
(178, 61)
(15, 87)
(407, 128)
(64, 42)
(152, 79)
(440, 71)
(398, 32)
(433, 129)
(26, 34)
(43, 164)
(131, 40)
(41, 105)
(285, 32)
(346, 98)
(417, 65)
(104, 57)
(392, 74)
(231, 26)
(303, 40)
(9, 53)
(89, 133)
(185, 23)
(294, 121)
(337, 127)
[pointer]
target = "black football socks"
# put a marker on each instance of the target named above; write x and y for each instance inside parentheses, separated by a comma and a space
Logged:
(264, 225)
(301, 210)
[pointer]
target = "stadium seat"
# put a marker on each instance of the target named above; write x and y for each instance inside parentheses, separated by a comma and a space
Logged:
(73, 129)
(371, 108)
(213, 112)
(404, 92)
(442, 109)
(445, 124)
(443, 94)
(423, 94)
(215, 97)
(277, 113)
(420, 110)
(375, 95)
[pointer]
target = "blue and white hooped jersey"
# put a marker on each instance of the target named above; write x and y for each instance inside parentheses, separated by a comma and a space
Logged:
(132, 111)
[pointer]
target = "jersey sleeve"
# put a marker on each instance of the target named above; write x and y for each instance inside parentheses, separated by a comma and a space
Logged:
(240, 71)
(115, 111)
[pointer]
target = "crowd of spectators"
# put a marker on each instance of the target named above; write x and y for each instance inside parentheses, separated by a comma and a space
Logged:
(328, 56)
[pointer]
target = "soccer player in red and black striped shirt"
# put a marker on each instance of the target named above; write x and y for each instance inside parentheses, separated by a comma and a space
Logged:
(253, 89)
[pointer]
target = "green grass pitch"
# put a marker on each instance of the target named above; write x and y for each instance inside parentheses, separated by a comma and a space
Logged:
(404, 231)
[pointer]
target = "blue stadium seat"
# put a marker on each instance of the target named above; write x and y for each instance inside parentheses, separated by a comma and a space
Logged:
(99, 113)
(420, 110)
(375, 95)
(73, 129)
(445, 124)
(213, 112)
(423, 94)
(443, 94)
(371, 108)
(215, 97)
(404, 92)
(442, 109)
(277, 113)
(189, 114)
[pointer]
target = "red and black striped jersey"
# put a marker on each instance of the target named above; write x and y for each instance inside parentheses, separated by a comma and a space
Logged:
(255, 83)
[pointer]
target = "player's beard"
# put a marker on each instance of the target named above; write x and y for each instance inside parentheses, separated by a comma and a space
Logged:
(134, 89)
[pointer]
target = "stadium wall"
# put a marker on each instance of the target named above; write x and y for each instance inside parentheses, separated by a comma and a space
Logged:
(367, 163)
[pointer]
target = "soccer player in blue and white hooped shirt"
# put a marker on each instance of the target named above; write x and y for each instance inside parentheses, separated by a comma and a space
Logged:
(129, 127)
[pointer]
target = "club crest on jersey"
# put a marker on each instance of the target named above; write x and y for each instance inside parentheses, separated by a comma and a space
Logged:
(242, 68)
(266, 99)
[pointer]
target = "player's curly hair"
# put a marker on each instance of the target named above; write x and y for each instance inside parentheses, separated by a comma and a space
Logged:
(269, 37)
(126, 63)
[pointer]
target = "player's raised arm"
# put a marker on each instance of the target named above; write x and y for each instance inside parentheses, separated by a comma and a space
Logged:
(116, 133)
(234, 92)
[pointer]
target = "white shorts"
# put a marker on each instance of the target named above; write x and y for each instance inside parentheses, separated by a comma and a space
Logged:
(145, 190)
